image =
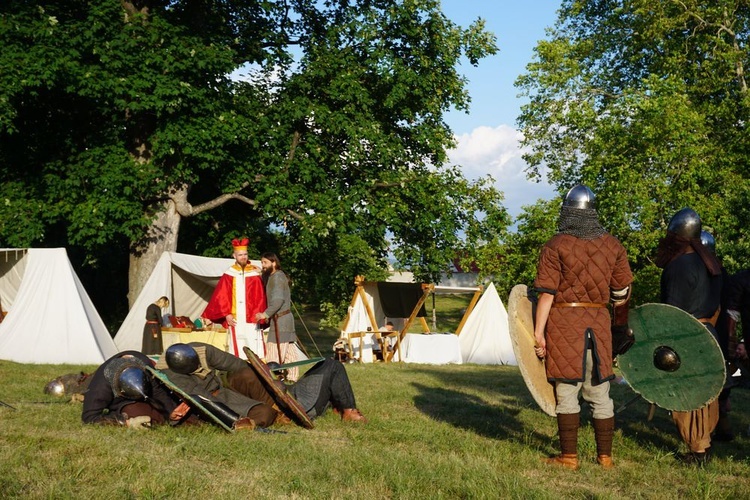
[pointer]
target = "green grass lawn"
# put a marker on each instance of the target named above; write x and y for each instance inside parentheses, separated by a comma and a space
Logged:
(455, 431)
(461, 431)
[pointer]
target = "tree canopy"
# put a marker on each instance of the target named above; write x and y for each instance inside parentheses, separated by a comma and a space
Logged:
(646, 102)
(119, 121)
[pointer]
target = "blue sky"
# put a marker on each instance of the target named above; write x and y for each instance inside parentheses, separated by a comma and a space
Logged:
(487, 137)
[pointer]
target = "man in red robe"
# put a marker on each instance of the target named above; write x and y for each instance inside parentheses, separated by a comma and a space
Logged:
(238, 297)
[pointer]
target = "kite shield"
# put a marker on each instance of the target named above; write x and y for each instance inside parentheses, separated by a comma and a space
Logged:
(190, 400)
(272, 385)
(675, 362)
(533, 370)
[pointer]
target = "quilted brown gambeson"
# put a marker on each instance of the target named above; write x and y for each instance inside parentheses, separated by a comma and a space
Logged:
(578, 270)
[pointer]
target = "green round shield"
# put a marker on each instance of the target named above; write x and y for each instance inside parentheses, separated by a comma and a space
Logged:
(675, 362)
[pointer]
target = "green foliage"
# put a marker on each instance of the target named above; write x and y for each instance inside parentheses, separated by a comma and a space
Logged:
(646, 102)
(333, 144)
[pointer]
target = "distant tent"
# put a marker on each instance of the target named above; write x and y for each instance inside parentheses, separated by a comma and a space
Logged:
(485, 338)
(186, 280)
(51, 318)
(401, 303)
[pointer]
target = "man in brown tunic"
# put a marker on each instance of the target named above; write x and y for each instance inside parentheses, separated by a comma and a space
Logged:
(581, 269)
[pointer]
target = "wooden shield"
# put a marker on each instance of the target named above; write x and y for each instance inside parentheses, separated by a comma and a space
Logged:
(521, 326)
(700, 375)
(284, 400)
(193, 402)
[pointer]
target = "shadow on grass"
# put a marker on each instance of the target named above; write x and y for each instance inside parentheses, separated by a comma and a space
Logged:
(456, 403)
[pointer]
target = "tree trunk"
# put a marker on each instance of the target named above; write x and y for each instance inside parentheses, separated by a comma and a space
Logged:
(161, 237)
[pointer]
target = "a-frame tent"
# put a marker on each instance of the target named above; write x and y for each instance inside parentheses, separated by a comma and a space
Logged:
(50, 317)
(374, 303)
(186, 280)
(486, 337)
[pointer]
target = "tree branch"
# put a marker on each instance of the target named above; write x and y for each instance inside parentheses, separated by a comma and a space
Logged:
(183, 207)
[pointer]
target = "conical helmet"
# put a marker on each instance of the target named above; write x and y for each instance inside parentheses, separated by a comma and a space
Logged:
(581, 197)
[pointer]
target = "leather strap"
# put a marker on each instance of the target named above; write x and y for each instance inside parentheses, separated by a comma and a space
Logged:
(578, 304)
(712, 320)
(282, 313)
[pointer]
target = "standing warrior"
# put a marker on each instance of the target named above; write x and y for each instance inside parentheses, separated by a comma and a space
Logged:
(691, 280)
(238, 297)
(281, 335)
(581, 269)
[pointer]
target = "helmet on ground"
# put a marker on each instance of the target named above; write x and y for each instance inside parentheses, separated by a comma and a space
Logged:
(182, 358)
(581, 197)
(132, 383)
(55, 388)
(708, 241)
(685, 223)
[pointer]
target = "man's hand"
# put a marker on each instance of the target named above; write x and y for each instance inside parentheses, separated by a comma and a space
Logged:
(540, 349)
(231, 321)
(260, 317)
(139, 423)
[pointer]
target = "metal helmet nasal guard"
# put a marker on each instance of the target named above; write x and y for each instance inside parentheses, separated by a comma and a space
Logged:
(685, 223)
(132, 383)
(182, 358)
(580, 197)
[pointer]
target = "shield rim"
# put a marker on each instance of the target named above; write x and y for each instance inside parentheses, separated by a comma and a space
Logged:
(193, 402)
(543, 396)
(636, 385)
(280, 397)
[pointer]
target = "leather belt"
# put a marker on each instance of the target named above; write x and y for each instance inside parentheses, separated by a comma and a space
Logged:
(712, 320)
(282, 313)
(578, 304)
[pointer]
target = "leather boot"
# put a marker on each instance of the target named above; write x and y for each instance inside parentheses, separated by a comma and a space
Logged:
(353, 415)
(604, 429)
(567, 429)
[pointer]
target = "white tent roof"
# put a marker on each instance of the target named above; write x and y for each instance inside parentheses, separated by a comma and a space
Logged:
(187, 280)
(51, 318)
(485, 338)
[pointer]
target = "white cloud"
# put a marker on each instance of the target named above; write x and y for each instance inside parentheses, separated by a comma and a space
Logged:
(497, 151)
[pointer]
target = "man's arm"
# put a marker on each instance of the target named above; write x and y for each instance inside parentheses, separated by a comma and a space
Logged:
(97, 399)
(220, 304)
(543, 306)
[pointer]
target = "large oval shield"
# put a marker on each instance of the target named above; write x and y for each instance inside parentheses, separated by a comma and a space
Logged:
(533, 370)
(271, 384)
(675, 362)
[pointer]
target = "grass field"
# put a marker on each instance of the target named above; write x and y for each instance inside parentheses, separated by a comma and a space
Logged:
(457, 431)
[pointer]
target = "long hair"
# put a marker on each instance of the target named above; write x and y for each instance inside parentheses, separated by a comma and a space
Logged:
(273, 258)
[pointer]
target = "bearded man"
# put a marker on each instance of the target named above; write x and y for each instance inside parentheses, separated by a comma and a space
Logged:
(238, 297)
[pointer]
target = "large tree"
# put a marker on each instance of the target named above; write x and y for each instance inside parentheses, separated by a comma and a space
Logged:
(320, 121)
(646, 101)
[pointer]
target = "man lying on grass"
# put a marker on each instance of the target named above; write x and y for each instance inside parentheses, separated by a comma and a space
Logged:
(196, 369)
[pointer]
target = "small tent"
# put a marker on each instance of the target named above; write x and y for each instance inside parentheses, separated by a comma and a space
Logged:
(402, 303)
(186, 280)
(50, 317)
(485, 338)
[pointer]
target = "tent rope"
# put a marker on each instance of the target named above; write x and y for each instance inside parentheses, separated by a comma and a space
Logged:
(302, 347)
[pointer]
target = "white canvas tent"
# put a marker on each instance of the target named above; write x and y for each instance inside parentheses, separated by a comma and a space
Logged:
(368, 313)
(51, 318)
(187, 280)
(485, 338)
